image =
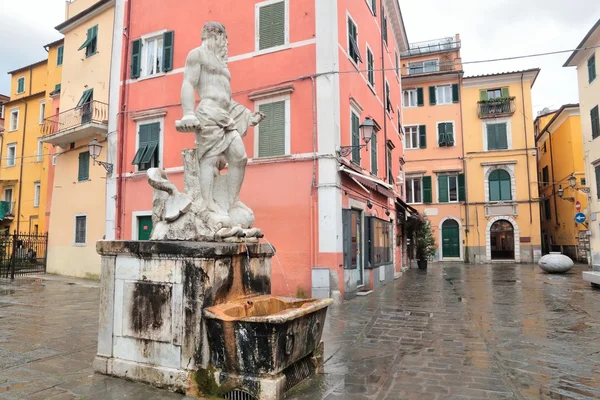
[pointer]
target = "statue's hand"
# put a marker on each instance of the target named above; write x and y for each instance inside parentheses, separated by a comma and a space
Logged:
(256, 118)
(189, 123)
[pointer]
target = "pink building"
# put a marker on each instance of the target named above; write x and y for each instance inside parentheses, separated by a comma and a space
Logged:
(316, 69)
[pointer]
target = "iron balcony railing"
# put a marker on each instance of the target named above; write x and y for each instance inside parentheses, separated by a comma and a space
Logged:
(496, 107)
(432, 46)
(92, 112)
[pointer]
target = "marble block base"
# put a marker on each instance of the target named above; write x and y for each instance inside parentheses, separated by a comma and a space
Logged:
(593, 277)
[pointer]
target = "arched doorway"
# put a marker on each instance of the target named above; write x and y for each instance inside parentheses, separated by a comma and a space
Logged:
(502, 240)
(450, 239)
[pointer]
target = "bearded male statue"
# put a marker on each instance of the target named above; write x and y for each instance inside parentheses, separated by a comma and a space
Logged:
(219, 124)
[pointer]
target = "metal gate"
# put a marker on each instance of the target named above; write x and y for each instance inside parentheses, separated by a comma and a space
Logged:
(22, 254)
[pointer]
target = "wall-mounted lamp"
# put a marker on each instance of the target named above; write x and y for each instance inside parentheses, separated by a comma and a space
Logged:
(369, 204)
(95, 149)
(367, 128)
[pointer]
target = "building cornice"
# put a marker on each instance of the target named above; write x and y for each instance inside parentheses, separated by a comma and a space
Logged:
(560, 116)
(574, 59)
(501, 78)
(84, 16)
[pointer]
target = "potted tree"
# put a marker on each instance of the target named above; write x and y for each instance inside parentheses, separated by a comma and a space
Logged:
(424, 243)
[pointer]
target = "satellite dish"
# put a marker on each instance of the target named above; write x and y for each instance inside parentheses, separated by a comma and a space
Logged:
(546, 110)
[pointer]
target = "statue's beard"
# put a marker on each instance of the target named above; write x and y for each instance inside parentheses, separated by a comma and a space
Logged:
(222, 53)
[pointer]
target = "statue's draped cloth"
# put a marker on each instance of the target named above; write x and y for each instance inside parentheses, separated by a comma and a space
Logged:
(219, 127)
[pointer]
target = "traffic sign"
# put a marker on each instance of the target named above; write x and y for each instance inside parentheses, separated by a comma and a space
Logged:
(580, 218)
(578, 206)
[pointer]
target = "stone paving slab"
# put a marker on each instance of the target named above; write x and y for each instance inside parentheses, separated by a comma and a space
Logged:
(454, 331)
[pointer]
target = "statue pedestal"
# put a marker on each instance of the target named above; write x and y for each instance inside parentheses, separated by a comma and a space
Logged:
(198, 318)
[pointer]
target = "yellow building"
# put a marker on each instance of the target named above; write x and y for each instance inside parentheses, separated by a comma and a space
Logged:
(560, 164)
(24, 158)
(502, 208)
(77, 213)
(588, 77)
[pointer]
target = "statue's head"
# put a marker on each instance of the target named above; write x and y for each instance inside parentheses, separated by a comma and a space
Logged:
(214, 35)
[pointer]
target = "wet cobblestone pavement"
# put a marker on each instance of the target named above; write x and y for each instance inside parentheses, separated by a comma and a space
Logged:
(452, 332)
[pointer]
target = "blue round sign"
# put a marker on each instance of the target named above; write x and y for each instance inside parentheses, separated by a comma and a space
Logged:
(580, 218)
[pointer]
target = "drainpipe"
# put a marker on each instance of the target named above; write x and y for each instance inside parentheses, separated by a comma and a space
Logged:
(526, 151)
(384, 95)
(121, 127)
(553, 177)
(464, 160)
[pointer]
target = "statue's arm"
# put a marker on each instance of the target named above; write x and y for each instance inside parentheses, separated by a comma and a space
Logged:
(191, 79)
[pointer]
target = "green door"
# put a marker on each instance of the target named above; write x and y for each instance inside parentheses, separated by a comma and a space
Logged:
(144, 227)
(450, 239)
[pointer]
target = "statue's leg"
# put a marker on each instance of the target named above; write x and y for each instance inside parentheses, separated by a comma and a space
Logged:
(237, 159)
(207, 180)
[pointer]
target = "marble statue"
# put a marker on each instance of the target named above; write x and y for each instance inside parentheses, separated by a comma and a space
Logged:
(209, 208)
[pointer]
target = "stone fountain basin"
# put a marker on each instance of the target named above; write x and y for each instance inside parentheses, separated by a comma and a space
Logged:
(263, 335)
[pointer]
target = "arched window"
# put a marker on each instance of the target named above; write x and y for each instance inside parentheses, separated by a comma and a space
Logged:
(500, 185)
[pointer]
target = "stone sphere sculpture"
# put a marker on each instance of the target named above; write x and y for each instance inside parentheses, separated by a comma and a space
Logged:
(555, 263)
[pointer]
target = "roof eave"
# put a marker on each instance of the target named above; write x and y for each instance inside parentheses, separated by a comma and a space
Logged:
(581, 45)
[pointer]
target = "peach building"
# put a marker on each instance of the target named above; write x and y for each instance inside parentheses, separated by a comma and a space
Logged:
(318, 70)
(433, 140)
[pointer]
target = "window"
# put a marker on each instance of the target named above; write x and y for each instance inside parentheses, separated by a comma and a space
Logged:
(373, 6)
(153, 50)
(1, 111)
(595, 122)
(411, 136)
(388, 160)
(21, 85)
(8, 197)
(352, 238)
(370, 68)
(374, 169)
(448, 188)
(36, 194)
(544, 147)
(272, 132)
(445, 134)
(444, 94)
(582, 181)
(597, 170)
(591, 68)
(83, 173)
(91, 42)
(40, 150)
(14, 119)
(414, 190)
(423, 67)
(355, 136)
(545, 176)
(80, 229)
(547, 210)
(42, 111)
(381, 243)
(384, 27)
(353, 51)
(397, 64)
(388, 101)
(496, 93)
(409, 98)
(147, 154)
(497, 136)
(500, 185)
(271, 25)
(59, 55)
(11, 154)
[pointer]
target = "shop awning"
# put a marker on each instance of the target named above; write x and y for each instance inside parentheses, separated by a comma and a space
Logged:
(371, 183)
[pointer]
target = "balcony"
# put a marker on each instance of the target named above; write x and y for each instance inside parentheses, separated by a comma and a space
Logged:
(494, 108)
(6, 210)
(432, 46)
(88, 120)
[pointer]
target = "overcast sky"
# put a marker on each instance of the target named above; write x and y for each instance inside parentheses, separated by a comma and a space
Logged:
(488, 29)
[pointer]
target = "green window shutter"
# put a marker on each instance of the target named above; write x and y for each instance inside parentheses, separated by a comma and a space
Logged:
(483, 95)
(87, 41)
(374, 6)
(168, 38)
(462, 193)
(374, 154)
(449, 134)
(84, 166)
(443, 188)
(432, 97)
(86, 97)
(491, 137)
(59, 55)
(427, 197)
(455, 93)
(422, 137)
(136, 61)
(420, 99)
(595, 118)
(592, 68)
(597, 169)
(21, 85)
(57, 87)
(139, 153)
(501, 136)
(441, 134)
(505, 92)
(355, 131)
(271, 136)
(271, 25)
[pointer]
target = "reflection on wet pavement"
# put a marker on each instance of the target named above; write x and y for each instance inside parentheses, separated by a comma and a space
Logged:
(454, 331)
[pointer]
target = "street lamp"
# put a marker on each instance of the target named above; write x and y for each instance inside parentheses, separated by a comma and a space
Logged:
(561, 191)
(367, 129)
(572, 181)
(95, 148)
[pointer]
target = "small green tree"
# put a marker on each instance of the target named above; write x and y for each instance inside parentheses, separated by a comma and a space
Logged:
(424, 241)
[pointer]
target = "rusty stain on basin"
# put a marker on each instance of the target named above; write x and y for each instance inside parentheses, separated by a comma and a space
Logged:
(264, 334)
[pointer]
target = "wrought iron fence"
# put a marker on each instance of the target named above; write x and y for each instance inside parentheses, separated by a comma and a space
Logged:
(22, 254)
(495, 108)
(94, 111)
